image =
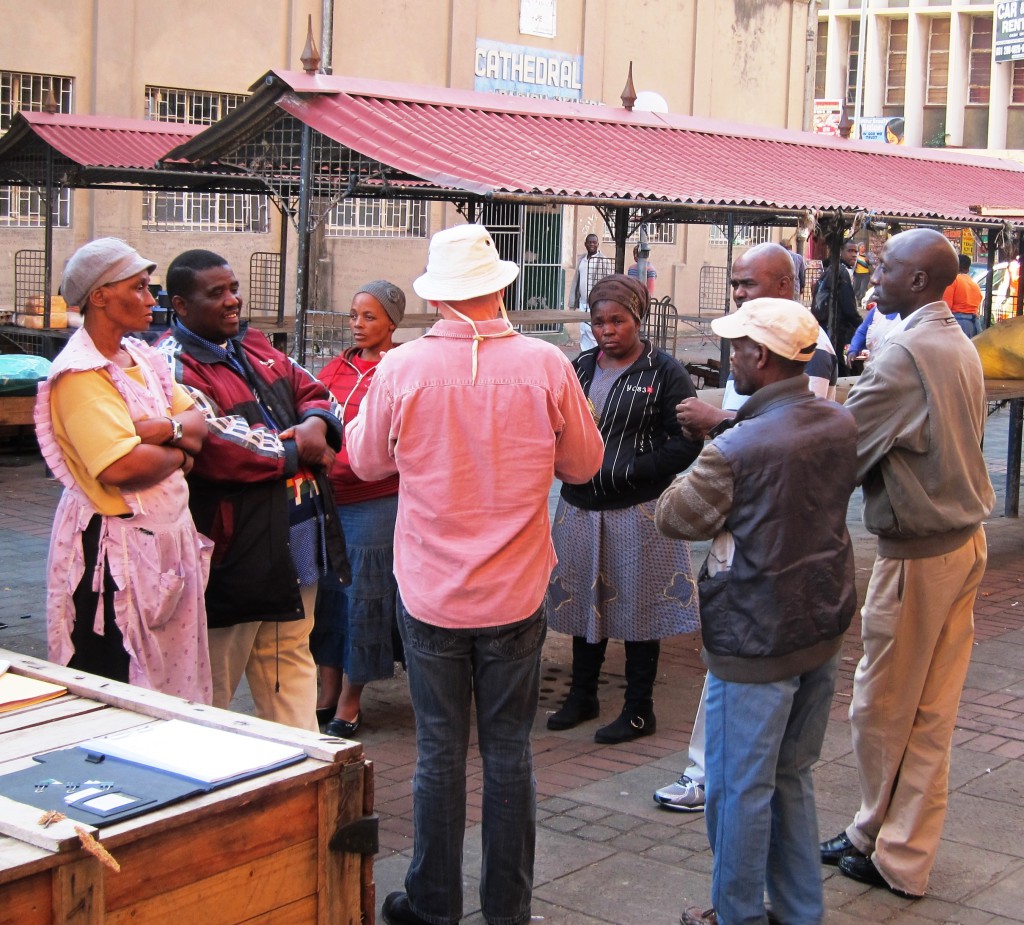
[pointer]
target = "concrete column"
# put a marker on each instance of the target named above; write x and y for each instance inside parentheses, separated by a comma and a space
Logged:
(956, 96)
(874, 63)
(999, 102)
(837, 57)
(917, 69)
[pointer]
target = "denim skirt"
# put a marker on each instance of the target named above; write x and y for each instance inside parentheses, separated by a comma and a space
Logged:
(355, 627)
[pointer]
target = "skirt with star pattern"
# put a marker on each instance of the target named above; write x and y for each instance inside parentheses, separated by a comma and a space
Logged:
(619, 578)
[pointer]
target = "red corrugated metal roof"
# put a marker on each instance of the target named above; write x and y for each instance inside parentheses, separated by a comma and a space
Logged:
(105, 141)
(484, 143)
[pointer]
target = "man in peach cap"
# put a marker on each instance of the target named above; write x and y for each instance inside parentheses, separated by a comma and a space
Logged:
(776, 596)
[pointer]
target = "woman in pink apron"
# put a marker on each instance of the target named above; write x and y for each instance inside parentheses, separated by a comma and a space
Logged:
(127, 568)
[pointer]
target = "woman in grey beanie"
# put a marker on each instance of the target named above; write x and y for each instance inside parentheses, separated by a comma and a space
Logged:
(354, 640)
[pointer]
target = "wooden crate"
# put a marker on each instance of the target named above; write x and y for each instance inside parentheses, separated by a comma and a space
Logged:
(255, 852)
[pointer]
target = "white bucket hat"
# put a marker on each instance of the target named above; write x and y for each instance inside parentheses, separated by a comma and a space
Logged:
(463, 263)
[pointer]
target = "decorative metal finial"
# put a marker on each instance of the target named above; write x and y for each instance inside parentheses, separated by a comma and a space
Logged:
(628, 96)
(310, 57)
(845, 123)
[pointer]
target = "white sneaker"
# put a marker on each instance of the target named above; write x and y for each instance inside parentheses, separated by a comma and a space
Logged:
(684, 796)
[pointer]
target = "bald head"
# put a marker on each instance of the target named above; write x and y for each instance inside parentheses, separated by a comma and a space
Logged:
(763, 272)
(914, 269)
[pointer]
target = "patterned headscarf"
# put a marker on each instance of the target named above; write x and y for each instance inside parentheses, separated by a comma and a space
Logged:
(630, 293)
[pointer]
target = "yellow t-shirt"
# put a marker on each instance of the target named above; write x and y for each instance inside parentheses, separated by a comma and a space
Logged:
(92, 425)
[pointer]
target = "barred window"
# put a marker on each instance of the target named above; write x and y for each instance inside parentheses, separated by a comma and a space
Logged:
(1017, 82)
(209, 212)
(657, 233)
(938, 61)
(896, 70)
(22, 206)
(743, 235)
(853, 61)
(821, 59)
(980, 75)
(378, 218)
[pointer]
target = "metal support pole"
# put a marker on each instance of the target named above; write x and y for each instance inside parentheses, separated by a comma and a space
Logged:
(621, 236)
(282, 271)
(1018, 308)
(1011, 507)
(302, 263)
(48, 238)
(723, 353)
(990, 243)
(835, 267)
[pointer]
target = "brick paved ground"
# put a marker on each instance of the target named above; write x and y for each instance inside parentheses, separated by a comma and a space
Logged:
(606, 853)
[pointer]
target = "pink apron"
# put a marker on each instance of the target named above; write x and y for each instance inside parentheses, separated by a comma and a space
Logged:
(157, 559)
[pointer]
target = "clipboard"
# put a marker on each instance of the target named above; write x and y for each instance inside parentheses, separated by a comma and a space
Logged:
(93, 788)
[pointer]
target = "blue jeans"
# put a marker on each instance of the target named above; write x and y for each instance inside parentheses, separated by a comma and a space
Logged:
(499, 668)
(970, 324)
(762, 740)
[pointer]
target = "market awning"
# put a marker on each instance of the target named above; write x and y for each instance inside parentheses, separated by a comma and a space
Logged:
(86, 150)
(385, 134)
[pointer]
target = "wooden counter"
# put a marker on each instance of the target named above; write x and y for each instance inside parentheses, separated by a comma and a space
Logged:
(256, 851)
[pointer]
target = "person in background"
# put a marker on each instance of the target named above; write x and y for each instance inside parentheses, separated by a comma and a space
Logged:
(777, 594)
(476, 420)
(258, 489)
(127, 569)
(616, 577)
(353, 634)
(867, 340)
(963, 296)
(590, 268)
(861, 273)
(920, 413)
(634, 270)
(848, 318)
(800, 266)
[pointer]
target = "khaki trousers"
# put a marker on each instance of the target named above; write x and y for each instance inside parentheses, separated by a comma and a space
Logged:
(918, 631)
(272, 655)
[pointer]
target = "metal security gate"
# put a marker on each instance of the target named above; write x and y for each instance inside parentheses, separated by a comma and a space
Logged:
(530, 236)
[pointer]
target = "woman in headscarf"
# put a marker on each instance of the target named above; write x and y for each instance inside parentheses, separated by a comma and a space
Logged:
(355, 638)
(617, 577)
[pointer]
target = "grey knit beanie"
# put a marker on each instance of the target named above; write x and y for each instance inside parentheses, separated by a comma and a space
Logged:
(389, 296)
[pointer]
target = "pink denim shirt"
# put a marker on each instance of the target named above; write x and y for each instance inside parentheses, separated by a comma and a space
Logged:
(476, 461)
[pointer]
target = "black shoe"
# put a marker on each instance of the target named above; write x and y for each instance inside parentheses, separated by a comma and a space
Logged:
(858, 867)
(324, 715)
(342, 728)
(575, 710)
(631, 724)
(836, 848)
(396, 911)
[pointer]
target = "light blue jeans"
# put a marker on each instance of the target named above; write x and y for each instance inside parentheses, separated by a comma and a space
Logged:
(499, 668)
(762, 741)
(969, 324)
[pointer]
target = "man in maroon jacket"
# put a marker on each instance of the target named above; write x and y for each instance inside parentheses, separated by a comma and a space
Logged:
(258, 490)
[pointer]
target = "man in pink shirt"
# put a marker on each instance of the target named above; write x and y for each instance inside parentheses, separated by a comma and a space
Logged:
(477, 420)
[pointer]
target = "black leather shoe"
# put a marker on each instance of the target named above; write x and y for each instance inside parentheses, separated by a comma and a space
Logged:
(397, 911)
(574, 711)
(836, 848)
(858, 867)
(342, 728)
(629, 725)
(324, 715)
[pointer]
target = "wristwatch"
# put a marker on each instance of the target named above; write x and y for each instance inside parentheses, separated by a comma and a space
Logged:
(177, 431)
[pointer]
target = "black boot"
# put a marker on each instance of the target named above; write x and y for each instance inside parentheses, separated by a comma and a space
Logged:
(581, 704)
(637, 716)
